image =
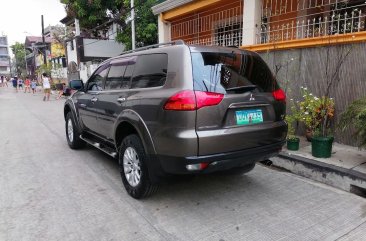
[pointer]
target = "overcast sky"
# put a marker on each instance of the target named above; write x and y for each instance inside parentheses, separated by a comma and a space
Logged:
(19, 18)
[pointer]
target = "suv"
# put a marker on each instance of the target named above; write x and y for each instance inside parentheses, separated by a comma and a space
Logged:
(178, 109)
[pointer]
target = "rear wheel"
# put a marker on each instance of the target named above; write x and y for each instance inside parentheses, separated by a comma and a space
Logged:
(72, 134)
(133, 168)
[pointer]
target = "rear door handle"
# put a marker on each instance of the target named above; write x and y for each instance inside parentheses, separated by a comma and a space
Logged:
(82, 105)
(121, 99)
(94, 99)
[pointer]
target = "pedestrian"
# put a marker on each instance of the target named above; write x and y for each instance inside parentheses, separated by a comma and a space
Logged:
(15, 83)
(46, 87)
(20, 83)
(5, 81)
(27, 83)
(34, 86)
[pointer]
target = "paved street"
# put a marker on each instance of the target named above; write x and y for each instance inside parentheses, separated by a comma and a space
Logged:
(50, 192)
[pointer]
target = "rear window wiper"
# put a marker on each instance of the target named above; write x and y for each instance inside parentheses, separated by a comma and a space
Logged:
(243, 88)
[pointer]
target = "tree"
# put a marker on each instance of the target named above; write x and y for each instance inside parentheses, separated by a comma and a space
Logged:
(19, 53)
(93, 14)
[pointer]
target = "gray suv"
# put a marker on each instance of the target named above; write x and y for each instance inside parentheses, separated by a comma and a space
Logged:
(178, 109)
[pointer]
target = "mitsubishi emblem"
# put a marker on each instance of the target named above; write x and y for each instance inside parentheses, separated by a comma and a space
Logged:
(251, 98)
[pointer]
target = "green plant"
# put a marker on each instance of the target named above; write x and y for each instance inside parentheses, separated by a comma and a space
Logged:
(355, 116)
(316, 113)
(293, 119)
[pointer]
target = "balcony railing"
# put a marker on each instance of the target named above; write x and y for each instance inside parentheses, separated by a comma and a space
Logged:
(219, 26)
(311, 20)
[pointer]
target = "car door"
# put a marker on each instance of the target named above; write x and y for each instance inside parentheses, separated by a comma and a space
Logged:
(87, 111)
(111, 101)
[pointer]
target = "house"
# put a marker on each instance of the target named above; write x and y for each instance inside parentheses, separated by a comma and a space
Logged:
(85, 50)
(4, 56)
(304, 42)
(36, 49)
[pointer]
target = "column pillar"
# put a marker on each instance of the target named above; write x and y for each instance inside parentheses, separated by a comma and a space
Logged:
(251, 21)
(164, 30)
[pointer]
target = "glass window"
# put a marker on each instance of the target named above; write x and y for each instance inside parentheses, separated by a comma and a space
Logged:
(150, 71)
(95, 82)
(128, 74)
(217, 72)
(115, 78)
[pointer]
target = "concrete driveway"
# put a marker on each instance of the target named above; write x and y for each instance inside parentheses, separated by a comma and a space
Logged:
(50, 192)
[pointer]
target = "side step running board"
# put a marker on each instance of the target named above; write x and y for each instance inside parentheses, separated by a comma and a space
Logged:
(101, 147)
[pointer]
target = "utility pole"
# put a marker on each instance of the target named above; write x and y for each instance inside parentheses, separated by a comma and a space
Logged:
(44, 44)
(133, 25)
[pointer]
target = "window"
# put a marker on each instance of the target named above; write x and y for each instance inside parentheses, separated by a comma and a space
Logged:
(217, 72)
(120, 73)
(115, 78)
(150, 71)
(95, 82)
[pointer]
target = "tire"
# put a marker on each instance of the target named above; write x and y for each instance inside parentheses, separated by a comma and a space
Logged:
(72, 134)
(133, 167)
(239, 170)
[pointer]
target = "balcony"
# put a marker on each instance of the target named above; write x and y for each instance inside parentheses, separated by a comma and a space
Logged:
(310, 22)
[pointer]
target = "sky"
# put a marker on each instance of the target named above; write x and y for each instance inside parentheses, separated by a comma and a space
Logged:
(20, 18)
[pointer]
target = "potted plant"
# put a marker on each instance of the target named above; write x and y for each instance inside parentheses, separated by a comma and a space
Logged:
(292, 120)
(355, 116)
(322, 115)
(307, 107)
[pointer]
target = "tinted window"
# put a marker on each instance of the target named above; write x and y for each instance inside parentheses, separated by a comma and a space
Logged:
(150, 71)
(115, 78)
(217, 72)
(95, 82)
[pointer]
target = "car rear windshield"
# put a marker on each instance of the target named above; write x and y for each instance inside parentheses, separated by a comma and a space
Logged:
(222, 72)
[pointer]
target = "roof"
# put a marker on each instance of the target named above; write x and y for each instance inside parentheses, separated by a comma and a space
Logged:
(29, 40)
(168, 5)
(68, 20)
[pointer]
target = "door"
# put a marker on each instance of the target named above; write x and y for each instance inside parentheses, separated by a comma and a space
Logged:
(248, 115)
(111, 101)
(87, 111)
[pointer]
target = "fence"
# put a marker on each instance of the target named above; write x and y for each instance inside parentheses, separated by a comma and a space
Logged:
(222, 25)
(315, 18)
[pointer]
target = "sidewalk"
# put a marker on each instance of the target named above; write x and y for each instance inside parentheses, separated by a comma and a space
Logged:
(345, 169)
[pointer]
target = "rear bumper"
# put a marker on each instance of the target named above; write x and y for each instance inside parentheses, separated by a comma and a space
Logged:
(219, 162)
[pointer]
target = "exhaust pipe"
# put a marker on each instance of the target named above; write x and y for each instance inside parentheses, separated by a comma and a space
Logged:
(267, 162)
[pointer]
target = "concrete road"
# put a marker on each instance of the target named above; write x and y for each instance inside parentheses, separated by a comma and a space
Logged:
(50, 192)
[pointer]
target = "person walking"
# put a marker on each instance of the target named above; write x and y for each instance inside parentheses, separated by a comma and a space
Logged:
(34, 86)
(5, 81)
(27, 84)
(15, 83)
(20, 83)
(46, 87)
(1, 81)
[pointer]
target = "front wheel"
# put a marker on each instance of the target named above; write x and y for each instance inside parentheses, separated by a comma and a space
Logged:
(133, 168)
(72, 134)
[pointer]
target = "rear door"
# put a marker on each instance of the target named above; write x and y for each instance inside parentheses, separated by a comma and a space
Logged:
(248, 116)
(112, 101)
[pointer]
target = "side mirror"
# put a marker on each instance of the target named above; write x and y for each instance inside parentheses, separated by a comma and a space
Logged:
(76, 84)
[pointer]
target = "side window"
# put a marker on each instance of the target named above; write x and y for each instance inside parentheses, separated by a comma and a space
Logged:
(95, 82)
(150, 71)
(115, 78)
(128, 73)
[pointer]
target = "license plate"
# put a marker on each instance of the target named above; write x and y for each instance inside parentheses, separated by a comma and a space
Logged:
(246, 117)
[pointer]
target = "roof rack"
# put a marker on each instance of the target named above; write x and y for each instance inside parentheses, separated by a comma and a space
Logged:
(176, 42)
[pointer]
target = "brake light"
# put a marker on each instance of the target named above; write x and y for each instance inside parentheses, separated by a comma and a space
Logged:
(187, 100)
(279, 95)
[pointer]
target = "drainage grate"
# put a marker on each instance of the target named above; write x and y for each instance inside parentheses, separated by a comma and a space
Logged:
(360, 191)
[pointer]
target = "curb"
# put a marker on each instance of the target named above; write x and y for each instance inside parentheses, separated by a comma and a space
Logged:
(346, 179)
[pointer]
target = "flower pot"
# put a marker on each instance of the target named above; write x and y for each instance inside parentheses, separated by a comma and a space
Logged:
(293, 144)
(321, 146)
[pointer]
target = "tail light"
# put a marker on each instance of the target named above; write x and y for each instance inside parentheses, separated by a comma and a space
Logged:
(279, 95)
(192, 100)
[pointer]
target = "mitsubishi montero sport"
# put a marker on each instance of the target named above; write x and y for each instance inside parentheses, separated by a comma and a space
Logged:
(178, 109)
